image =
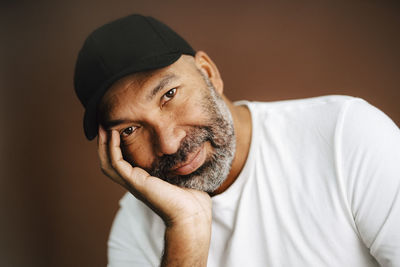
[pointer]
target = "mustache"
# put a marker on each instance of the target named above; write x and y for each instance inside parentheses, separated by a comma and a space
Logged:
(193, 140)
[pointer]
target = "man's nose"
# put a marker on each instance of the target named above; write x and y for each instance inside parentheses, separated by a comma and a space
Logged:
(168, 138)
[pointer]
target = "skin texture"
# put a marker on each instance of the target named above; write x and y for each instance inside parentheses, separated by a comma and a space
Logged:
(140, 125)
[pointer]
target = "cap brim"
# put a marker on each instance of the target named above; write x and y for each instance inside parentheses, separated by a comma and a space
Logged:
(90, 123)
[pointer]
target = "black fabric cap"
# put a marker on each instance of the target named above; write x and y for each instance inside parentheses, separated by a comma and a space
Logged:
(131, 44)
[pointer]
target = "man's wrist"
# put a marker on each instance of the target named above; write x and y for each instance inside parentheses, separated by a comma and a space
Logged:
(187, 243)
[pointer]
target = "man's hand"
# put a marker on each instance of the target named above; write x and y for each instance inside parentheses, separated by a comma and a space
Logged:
(186, 212)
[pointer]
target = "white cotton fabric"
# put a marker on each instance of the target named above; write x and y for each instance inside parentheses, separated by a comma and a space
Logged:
(320, 187)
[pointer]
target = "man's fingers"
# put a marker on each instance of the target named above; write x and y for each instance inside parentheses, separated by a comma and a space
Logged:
(112, 162)
(153, 191)
(118, 163)
(102, 146)
(114, 147)
(105, 163)
(102, 136)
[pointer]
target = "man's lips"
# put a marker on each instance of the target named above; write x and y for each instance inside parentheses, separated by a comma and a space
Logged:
(194, 161)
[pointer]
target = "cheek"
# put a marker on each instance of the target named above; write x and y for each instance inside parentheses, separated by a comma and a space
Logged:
(192, 110)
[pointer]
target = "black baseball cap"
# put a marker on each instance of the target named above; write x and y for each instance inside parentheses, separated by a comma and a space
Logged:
(131, 44)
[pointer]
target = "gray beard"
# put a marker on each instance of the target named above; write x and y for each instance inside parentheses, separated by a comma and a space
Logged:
(219, 132)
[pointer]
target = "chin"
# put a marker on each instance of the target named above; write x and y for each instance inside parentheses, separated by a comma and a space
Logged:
(207, 178)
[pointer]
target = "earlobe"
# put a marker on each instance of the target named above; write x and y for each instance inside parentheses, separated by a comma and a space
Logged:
(209, 69)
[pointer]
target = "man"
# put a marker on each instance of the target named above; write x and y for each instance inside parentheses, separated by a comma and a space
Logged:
(311, 182)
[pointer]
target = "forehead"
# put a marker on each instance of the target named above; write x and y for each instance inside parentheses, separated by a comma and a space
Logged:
(138, 87)
(133, 83)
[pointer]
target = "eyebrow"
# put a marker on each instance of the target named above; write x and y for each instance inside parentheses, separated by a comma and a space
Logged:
(109, 124)
(164, 82)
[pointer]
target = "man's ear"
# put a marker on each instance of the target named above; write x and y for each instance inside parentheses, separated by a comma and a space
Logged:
(209, 69)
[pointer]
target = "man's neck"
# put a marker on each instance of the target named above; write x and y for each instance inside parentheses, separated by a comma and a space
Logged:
(243, 127)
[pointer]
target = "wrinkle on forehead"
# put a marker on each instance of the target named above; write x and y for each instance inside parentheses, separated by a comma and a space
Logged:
(111, 98)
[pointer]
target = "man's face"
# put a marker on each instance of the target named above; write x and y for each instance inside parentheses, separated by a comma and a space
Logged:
(174, 124)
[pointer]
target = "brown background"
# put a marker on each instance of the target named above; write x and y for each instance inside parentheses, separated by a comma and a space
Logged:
(56, 207)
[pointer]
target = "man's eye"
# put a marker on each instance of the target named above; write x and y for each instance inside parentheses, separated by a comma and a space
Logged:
(170, 94)
(128, 131)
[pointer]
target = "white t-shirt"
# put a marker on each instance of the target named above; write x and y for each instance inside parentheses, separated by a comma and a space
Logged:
(320, 187)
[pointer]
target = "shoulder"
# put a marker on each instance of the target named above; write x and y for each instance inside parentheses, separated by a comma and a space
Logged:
(303, 104)
(368, 154)
(299, 117)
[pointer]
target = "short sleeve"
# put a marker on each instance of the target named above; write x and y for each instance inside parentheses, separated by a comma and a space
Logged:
(370, 159)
